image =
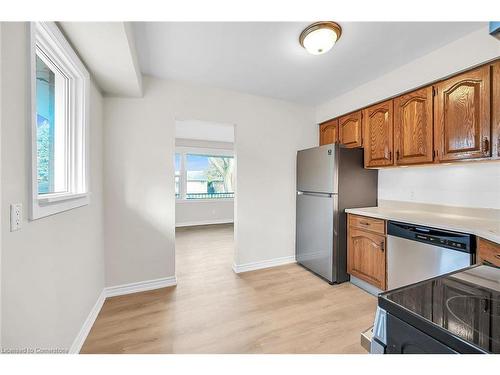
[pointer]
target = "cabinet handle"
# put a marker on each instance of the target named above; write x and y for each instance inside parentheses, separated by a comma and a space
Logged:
(497, 256)
(485, 304)
(390, 155)
(382, 246)
(364, 223)
(397, 155)
(486, 145)
(498, 146)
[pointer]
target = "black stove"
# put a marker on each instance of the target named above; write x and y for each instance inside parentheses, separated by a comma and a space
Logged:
(460, 311)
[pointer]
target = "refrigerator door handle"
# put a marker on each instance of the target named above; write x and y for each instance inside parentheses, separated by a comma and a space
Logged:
(326, 195)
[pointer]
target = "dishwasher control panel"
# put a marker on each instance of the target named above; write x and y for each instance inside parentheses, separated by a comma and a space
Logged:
(438, 237)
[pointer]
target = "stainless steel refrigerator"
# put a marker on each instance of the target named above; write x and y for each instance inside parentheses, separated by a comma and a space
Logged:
(330, 178)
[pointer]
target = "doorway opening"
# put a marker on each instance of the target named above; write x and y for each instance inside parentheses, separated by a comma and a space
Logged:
(205, 194)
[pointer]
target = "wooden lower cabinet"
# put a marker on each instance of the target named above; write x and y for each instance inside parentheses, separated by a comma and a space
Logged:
(488, 252)
(367, 223)
(366, 258)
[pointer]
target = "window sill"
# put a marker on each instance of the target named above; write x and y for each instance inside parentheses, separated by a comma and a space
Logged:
(57, 203)
(55, 198)
(213, 200)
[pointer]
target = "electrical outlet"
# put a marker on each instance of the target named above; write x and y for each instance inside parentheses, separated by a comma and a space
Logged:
(16, 216)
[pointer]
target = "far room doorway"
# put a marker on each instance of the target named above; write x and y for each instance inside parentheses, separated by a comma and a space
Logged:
(205, 192)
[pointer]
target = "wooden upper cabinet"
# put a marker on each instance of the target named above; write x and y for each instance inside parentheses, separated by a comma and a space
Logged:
(378, 131)
(350, 130)
(495, 102)
(462, 116)
(328, 132)
(413, 127)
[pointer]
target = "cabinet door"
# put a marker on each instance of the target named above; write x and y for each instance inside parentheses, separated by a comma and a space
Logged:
(462, 116)
(495, 110)
(413, 143)
(488, 252)
(350, 132)
(378, 128)
(366, 257)
(328, 132)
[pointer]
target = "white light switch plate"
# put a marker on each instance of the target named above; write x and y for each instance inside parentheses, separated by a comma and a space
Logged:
(16, 216)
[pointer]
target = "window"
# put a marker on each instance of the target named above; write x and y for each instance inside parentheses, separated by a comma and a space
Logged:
(205, 176)
(51, 145)
(177, 162)
(59, 115)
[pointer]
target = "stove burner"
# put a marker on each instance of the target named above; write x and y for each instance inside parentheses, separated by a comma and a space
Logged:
(486, 305)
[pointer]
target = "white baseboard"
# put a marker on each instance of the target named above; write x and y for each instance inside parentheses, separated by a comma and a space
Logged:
(203, 222)
(87, 325)
(113, 291)
(140, 286)
(239, 268)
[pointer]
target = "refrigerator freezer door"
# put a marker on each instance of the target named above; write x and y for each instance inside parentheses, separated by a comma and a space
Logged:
(315, 232)
(316, 169)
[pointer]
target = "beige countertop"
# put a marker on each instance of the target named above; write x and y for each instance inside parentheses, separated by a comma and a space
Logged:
(481, 222)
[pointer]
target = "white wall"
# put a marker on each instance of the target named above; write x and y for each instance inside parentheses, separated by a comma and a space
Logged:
(139, 144)
(468, 184)
(199, 143)
(190, 213)
(463, 185)
(204, 131)
(53, 268)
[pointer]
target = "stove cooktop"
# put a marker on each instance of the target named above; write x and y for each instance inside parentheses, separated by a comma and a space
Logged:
(462, 308)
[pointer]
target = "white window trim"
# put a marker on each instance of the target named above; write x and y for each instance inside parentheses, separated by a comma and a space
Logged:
(49, 37)
(183, 150)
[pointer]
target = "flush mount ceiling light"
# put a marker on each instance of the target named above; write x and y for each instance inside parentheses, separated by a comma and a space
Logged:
(320, 37)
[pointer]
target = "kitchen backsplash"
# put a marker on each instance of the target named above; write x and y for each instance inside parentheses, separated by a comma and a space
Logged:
(467, 185)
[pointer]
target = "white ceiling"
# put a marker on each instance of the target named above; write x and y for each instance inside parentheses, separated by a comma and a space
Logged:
(204, 130)
(265, 58)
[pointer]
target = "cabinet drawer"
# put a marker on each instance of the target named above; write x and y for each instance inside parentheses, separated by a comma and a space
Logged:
(367, 223)
(489, 252)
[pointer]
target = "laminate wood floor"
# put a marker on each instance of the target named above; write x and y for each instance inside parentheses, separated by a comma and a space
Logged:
(284, 309)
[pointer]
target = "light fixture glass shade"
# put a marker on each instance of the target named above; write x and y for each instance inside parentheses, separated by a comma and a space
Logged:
(320, 37)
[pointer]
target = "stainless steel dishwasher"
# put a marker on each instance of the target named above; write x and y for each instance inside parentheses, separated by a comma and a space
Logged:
(416, 253)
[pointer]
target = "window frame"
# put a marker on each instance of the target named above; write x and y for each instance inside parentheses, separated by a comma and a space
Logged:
(47, 38)
(183, 151)
(181, 175)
